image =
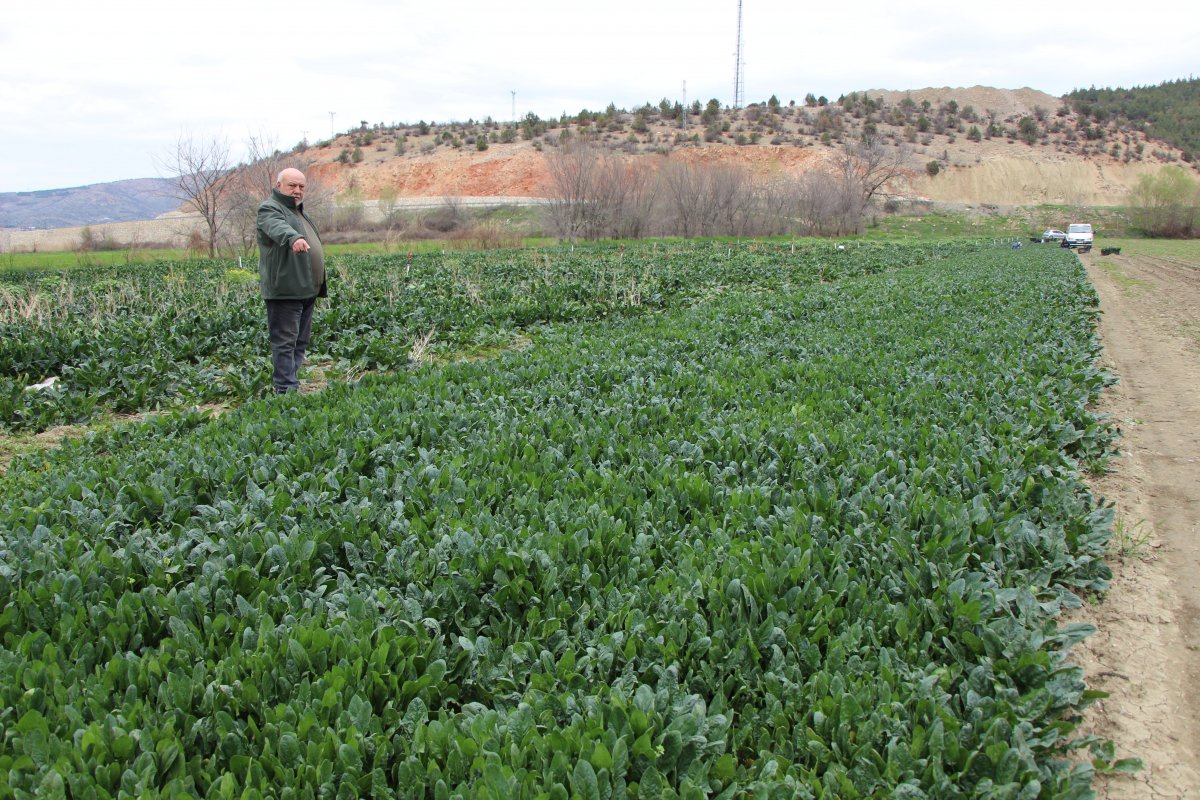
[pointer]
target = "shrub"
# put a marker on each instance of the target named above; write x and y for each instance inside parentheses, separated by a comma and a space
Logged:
(1166, 204)
(1027, 129)
(87, 239)
(444, 219)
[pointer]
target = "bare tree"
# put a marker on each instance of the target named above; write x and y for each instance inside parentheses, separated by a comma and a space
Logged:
(881, 169)
(806, 203)
(597, 193)
(868, 170)
(574, 167)
(638, 200)
(251, 182)
(774, 202)
(826, 204)
(264, 162)
(623, 198)
(708, 200)
(684, 198)
(731, 200)
(202, 179)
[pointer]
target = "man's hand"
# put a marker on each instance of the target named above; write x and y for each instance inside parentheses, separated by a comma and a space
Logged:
(300, 246)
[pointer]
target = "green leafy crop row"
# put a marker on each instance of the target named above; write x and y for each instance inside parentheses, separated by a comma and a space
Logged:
(130, 339)
(801, 542)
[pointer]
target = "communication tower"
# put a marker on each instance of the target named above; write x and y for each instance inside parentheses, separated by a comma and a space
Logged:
(739, 66)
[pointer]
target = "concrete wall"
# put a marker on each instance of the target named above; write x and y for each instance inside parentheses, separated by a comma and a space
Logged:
(174, 229)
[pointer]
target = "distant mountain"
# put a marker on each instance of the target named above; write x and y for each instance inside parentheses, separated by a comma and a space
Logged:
(120, 201)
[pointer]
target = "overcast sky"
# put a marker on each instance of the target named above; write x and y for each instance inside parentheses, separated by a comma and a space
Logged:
(102, 91)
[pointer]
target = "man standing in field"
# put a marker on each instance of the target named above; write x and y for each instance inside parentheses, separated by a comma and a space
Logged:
(291, 267)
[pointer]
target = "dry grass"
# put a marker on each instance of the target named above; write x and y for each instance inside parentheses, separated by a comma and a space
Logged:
(420, 348)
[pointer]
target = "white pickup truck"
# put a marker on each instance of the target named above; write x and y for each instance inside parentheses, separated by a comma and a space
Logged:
(1079, 235)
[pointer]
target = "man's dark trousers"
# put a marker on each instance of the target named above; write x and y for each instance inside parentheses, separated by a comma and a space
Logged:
(289, 323)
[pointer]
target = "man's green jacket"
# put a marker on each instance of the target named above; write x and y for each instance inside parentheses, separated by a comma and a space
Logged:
(283, 274)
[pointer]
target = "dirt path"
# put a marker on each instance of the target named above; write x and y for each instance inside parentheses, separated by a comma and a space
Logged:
(1147, 653)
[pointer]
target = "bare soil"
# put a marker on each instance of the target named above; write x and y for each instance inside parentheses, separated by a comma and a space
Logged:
(1149, 623)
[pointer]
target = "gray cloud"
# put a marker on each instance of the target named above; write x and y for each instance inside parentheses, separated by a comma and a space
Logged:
(92, 93)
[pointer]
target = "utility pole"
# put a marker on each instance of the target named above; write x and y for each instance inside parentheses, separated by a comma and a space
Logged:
(514, 107)
(685, 108)
(332, 134)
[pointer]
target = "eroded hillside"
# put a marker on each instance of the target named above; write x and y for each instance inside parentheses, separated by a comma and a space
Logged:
(973, 146)
(1012, 147)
